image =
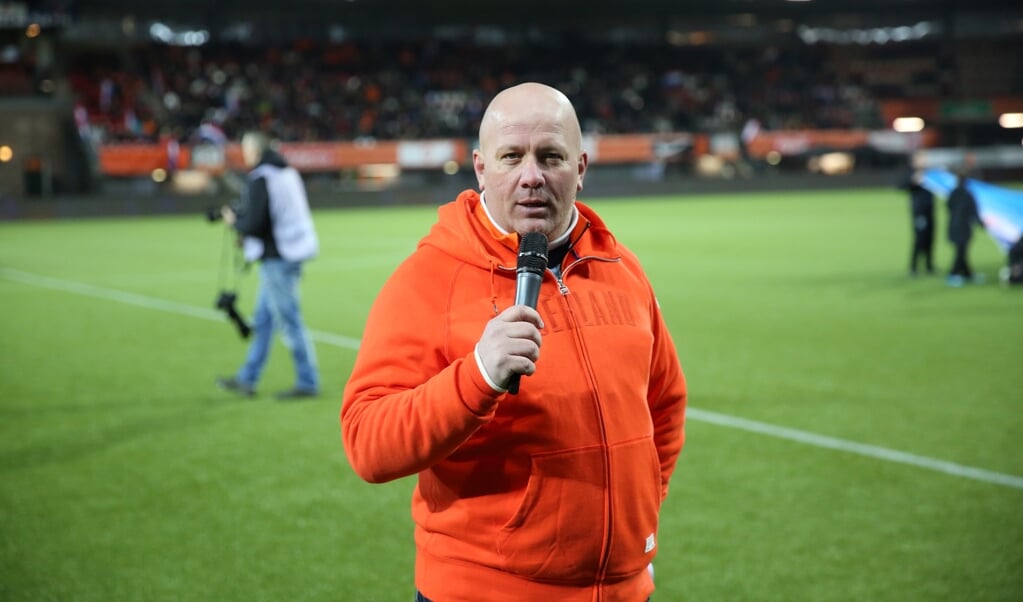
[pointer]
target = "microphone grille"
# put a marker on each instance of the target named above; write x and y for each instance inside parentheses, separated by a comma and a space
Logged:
(533, 252)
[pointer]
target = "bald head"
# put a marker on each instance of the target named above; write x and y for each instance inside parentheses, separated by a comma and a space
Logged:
(532, 105)
(530, 163)
(253, 146)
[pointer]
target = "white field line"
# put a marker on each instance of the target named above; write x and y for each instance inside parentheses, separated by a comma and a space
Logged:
(862, 449)
(763, 428)
(109, 294)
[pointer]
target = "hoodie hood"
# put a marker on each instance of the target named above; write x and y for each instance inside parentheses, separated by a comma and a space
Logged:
(464, 231)
(272, 157)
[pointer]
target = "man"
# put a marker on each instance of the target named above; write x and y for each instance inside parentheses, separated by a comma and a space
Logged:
(921, 208)
(1012, 273)
(277, 227)
(552, 493)
(962, 216)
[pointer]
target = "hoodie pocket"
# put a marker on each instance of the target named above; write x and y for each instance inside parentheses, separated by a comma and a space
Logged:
(559, 531)
(635, 503)
(556, 534)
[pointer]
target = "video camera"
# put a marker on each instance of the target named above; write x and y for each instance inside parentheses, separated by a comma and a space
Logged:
(227, 299)
(226, 302)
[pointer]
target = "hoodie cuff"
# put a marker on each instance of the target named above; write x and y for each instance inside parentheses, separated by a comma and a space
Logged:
(483, 371)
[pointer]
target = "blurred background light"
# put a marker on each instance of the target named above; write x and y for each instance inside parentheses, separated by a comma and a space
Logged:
(908, 124)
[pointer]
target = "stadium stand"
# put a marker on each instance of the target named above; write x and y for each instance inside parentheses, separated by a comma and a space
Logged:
(161, 78)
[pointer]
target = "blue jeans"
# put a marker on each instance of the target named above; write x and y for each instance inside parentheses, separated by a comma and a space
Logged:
(277, 308)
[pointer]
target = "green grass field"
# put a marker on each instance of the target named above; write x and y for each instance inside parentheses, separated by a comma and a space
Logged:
(854, 434)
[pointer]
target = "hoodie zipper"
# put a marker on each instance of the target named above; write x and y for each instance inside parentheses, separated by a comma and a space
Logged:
(590, 376)
(605, 554)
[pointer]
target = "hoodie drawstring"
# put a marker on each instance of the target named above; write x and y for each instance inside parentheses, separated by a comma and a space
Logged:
(493, 286)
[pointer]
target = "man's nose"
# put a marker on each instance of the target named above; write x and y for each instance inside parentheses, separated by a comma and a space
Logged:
(532, 175)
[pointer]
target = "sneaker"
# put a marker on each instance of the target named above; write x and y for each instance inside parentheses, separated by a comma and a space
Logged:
(295, 394)
(230, 383)
(955, 281)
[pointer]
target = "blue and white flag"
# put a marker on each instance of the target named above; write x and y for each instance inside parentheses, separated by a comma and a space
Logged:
(1000, 208)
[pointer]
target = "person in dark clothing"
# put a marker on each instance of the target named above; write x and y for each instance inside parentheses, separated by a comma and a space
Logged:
(1012, 273)
(921, 206)
(277, 230)
(962, 217)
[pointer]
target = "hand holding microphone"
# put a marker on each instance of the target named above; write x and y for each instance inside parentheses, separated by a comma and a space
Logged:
(529, 271)
(511, 341)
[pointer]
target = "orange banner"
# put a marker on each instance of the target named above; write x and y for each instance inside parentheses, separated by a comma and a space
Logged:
(634, 148)
(799, 142)
(309, 157)
(137, 159)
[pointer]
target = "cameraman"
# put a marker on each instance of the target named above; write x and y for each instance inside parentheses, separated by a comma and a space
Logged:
(276, 227)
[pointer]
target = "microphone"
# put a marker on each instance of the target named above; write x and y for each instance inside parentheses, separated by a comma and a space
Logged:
(529, 274)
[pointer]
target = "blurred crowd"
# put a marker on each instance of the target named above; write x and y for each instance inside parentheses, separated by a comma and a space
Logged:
(346, 91)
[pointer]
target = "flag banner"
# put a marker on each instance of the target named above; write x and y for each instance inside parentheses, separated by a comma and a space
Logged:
(1000, 208)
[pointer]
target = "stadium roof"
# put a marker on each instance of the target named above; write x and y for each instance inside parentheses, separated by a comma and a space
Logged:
(526, 11)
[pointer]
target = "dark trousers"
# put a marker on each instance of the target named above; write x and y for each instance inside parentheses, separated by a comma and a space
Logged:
(923, 250)
(961, 263)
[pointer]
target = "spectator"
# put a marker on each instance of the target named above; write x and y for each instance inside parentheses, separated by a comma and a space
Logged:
(345, 91)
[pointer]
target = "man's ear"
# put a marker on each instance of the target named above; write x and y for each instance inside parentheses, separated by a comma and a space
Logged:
(478, 167)
(584, 160)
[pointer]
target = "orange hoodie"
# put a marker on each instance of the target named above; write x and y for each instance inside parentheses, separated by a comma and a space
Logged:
(550, 494)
